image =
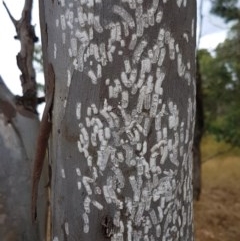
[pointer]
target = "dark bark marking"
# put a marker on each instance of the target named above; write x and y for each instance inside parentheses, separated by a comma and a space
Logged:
(42, 142)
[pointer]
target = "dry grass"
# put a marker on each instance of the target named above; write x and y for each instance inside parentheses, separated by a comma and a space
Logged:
(217, 214)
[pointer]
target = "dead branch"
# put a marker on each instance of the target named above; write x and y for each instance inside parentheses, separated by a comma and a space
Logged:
(27, 37)
(10, 15)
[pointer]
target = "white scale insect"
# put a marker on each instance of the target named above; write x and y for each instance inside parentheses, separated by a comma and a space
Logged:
(129, 230)
(133, 183)
(139, 50)
(120, 177)
(125, 99)
(180, 65)
(118, 32)
(147, 227)
(86, 204)
(80, 57)
(55, 50)
(154, 105)
(155, 5)
(146, 128)
(133, 42)
(79, 185)
(193, 28)
(63, 173)
(107, 133)
(99, 71)
(151, 19)
(94, 108)
(125, 28)
(63, 22)
(113, 34)
(97, 25)
(133, 76)
(80, 16)
(86, 228)
(103, 53)
(141, 99)
(140, 26)
(162, 56)
(127, 66)
(92, 76)
(96, 52)
(159, 16)
(179, 3)
(78, 110)
(66, 228)
(90, 3)
(98, 205)
(139, 214)
(127, 83)
(187, 77)
(171, 46)
(146, 66)
(164, 153)
(124, 15)
(110, 53)
(86, 181)
(78, 171)
(156, 51)
(74, 46)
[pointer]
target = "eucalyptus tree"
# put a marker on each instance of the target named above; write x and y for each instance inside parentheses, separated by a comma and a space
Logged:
(122, 119)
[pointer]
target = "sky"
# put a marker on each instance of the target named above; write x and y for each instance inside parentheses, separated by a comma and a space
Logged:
(213, 32)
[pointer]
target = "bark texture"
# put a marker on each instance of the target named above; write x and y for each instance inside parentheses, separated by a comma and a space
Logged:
(123, 118)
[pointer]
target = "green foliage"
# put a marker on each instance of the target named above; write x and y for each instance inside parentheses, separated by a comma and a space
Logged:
(221, 88)
(226, 9)
(38, 64)
(37, 57)
(221, 78)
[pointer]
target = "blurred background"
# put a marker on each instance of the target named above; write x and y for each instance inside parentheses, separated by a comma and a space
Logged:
(217, 134)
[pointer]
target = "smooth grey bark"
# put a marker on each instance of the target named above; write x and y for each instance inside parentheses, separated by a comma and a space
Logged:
(15, 188)
(123, 118)
(18, 133)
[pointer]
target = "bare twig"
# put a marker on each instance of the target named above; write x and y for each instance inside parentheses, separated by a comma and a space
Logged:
(10, 15)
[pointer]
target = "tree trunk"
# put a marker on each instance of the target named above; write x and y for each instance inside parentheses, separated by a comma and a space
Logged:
(18, 134)
(198, 132)
(123, 118)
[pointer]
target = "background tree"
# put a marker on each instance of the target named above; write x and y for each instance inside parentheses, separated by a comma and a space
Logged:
(199, 120)
(227, 9)
(18, 133)
(221, 77)
(198, 133)
(123, 118)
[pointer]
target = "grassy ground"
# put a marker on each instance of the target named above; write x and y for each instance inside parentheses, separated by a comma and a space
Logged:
(217, 214)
